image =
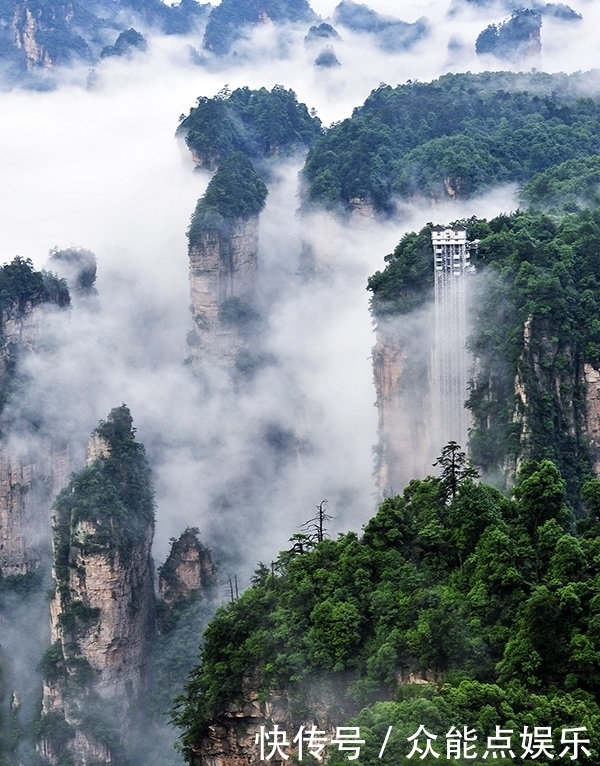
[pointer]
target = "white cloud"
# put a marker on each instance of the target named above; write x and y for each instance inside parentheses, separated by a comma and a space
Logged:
(100, 168)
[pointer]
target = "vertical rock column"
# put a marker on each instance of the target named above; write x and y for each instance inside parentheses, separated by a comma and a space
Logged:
(32, 469)
(223, 251)
(103, 611)
(223, 264)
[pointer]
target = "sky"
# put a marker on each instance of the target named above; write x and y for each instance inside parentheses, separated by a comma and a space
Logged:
(95, 164)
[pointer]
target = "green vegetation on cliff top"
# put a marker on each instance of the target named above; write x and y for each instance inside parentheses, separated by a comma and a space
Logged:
(235, 191)
(114, 493)
(493, 599)
(21, 286)
(454, 136)
(260, 123)
(536, 319)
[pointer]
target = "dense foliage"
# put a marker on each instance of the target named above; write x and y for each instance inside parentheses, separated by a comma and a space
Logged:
(235, 191)
(258, 123)
(494, 599)
(455, 136)
(536, 320)
(407, 280)
(22, 286)
(566, 188)
(230, 18)
(114, 492)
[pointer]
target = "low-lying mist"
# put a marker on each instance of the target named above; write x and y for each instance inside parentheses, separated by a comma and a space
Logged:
(98, 167)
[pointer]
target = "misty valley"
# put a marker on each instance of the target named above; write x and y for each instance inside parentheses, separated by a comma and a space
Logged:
(299, 382)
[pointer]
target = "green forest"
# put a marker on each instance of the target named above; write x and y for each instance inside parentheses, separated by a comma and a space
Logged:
(453, 137)
(235, 191)
(535, 270)
(229, 18)
(259, 123)
(492, 599)
(465, 606)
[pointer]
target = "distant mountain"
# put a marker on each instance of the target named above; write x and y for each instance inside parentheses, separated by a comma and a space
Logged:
(517, 38)
(392, 34)
(38, 35)
(229, 20)
(561, 10)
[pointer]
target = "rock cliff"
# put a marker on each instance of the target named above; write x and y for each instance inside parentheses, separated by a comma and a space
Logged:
(223, 252)
(408, 439)
(223, 266)
(234, 739)
(592, 413)
(33, 470)
(28, 481)
(37, 37)
(188, 571)
(103, 610)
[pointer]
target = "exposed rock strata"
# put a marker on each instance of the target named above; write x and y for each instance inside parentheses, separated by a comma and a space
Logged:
(27, 484)
(103, 611)
(223, 272)
(234, 737)
(30, 476)
(188, 571)
(407, 436)
(592, 419)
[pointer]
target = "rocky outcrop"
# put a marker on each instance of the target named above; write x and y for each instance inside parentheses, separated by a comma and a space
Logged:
(592, 413)
(28, 481)
(46, 34)
(103, 610)
(37, 37)
(223, 252)
(188, 571)
(234, 739)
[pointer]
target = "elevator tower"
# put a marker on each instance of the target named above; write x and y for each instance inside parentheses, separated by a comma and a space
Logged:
(451, 361)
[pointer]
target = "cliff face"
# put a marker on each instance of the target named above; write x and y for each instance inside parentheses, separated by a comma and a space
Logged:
(48, 34)
(592, 413)
(223, 252)
(550, 397)
(26, 32)
(223, 266)
(188, 571)
(27, 484)
(408, 438)
(103, 611)
(234, 738)
(29, 477)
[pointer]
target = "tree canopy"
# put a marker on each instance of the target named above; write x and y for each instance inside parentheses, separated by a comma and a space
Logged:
(455, 136)
(493, 599)
(21, 286)
(235, 191)
(536, 320)
(114, 492)
(259, 123)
